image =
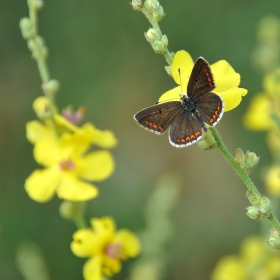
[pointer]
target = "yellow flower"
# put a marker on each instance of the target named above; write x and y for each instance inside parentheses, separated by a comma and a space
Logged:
(264, 110)
(272, 180)
(255, 261)
(229, 268)
(68, 168)
(105, 247)
(226, 79)
(258, 115)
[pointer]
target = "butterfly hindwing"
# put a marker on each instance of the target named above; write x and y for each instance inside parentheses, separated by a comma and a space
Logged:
(201, 79)
(184, 130)
(210, 107)
(158, 118)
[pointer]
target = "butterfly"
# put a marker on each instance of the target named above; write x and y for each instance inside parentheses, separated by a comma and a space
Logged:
(189, 117)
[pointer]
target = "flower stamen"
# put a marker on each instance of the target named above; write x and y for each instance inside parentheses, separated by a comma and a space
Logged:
(115, 251)
(67, 164)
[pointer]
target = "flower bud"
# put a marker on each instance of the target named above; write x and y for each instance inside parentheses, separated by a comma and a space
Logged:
(152, 35)
(274, 241)
(41, 107)
(67, 209)
(42, 47)
(151, 5)
(27, 28)
(240, 157)
(158, 14)
(51, 87)
(254, 197)
(158, 47)
(251, 160)
(164, 40)
(253, 212)
(208, 142)
(265, 207)
(37, 4)
(137, 5)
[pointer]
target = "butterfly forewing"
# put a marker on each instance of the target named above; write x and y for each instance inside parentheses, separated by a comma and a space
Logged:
(201, 79)
(157, 118)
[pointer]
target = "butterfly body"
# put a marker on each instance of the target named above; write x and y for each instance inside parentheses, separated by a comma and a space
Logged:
(189, 116)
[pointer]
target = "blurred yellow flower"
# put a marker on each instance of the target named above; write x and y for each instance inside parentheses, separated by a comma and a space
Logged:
(264, 110)
(226, 79)
(64, 153)
(256, 261)
(105, 247)
(272, 180)
(68, 170)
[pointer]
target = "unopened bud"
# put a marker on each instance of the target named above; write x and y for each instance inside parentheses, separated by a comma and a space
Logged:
(27, 28)
(51, 87)
(274, 241)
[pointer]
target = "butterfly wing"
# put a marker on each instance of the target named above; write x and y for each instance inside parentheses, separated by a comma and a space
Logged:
(210, 107)
(201, 79)
(185, 130)
(157, 118)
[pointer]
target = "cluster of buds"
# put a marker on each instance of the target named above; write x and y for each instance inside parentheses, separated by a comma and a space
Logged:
(261, 208)
(154, 12)
(158, 41)
(246, 161)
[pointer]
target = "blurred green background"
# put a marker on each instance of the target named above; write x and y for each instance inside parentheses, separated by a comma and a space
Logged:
(102, 60)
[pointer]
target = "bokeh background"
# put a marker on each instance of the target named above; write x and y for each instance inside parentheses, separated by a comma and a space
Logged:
(102, 60)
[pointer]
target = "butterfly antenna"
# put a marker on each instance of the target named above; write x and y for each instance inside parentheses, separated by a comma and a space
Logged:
(179, 71)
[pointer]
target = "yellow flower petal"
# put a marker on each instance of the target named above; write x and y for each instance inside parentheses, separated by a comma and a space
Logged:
(70, 188)
(84, 243)
(229, 268)
(171, 95)
(130, 242)
(101, 138)
(111, 266)
(224, 75)
(93, 269)
(257, 116)
(232, 97)
(41, 184)
(97, 166)
(182, 65)
(103, 226)
(47, 152)
(35, 131)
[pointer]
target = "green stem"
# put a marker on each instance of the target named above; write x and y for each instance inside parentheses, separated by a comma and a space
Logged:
(40, 57)
(272, 218)
(42, 66)
(244, 177)
(155, 25)
(78, 216)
